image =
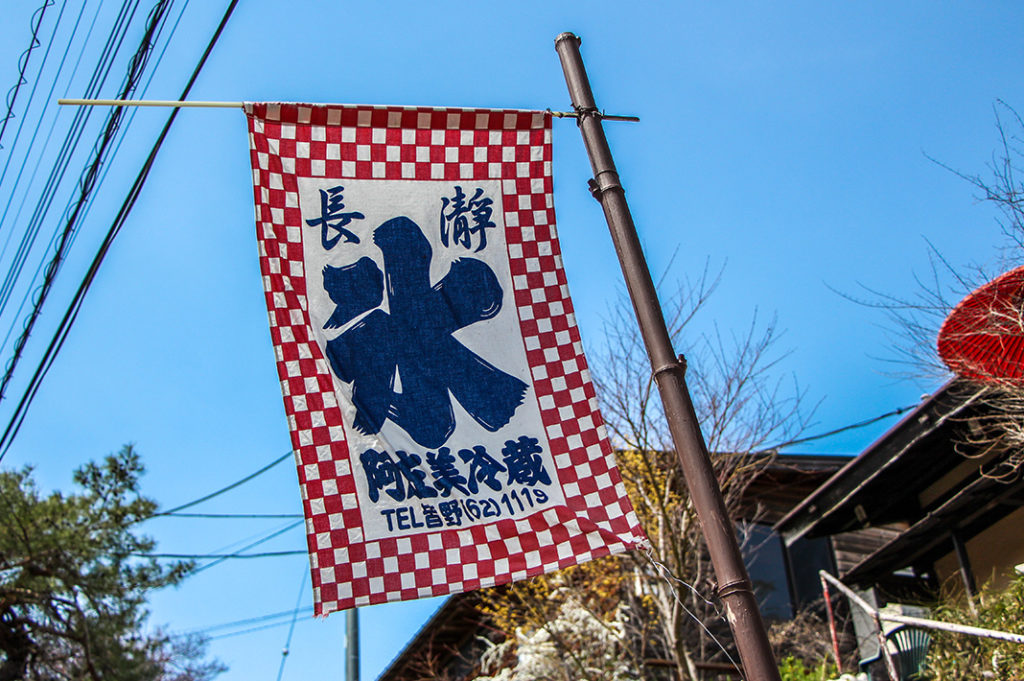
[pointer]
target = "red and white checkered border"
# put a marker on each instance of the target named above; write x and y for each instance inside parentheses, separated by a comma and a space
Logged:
(393, 143)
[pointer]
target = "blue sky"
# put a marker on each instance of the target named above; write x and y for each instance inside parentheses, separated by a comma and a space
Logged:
(789, 144)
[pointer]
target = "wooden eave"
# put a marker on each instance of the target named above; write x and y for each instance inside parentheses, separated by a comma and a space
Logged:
(971, 509)
(879, 486)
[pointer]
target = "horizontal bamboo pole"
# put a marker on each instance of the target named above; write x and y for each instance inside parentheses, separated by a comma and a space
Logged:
(239, 105)
(150, 102)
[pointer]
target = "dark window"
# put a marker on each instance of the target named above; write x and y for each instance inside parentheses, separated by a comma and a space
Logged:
(806, 558)
(767, 567)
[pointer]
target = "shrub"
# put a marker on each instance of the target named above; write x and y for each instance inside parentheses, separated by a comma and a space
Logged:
(959, 656)
(792, 668)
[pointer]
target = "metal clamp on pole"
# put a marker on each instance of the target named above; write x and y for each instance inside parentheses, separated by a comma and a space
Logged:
(726, 590)
(677, 366)
(593, 112)
(609, 180)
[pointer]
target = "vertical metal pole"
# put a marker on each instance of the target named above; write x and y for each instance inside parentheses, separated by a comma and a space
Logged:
(352, 645)
(734, 587)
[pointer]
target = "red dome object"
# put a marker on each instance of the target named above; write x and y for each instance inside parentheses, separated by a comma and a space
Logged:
(983, 337)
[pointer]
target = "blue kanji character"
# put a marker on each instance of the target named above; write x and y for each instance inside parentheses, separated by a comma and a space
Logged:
(451, 511)
(446, 475)
(525, 467)
(354, 289)
(408, 466)
(480, 208)
(403, 476)
(333, 217)
(380, 472)
(413, 339)
(455, 220)
(482, 468)
(430, 516)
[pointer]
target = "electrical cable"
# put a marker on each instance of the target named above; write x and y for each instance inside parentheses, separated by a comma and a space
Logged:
(235, 516)
(70, 144)
(830, 433)
(238, 554)
(120, 134)
(131, 199)
(252, 620)
(240, 545)
(12, 94)
(131, 118)
(87, 183)
(248, 631)
(50, 133)
(227, 488)
(92, 199)
(668, 577)
(57, 342)
(291, 629)
(220, 556)
(32, 92)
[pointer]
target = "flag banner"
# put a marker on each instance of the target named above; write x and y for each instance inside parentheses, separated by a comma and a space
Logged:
(444, 423)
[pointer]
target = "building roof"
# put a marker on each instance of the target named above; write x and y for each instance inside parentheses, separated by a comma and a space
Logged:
(914, 482)
(875, 481)
(783, 480)
(442, 642)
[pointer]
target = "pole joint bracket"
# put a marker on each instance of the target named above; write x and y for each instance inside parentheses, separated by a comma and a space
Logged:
(734, 587)
(677, 366)
(606, 180)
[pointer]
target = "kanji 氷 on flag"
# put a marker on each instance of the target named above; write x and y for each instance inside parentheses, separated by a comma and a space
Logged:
(445, 427)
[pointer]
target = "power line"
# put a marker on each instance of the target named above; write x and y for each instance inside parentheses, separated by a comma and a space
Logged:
(291, 629)
(57, 342)
(39, 122)
(88, 183)
(238, 554)
(131, 117)
(107, 166)
(68, 147)
(12, 94)
(39, 78)
(122, 134)
(252, 620)
(852, 426)
(220, 556)
(240, 545)
(248, 631)
(222, 490)
(235, 516)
